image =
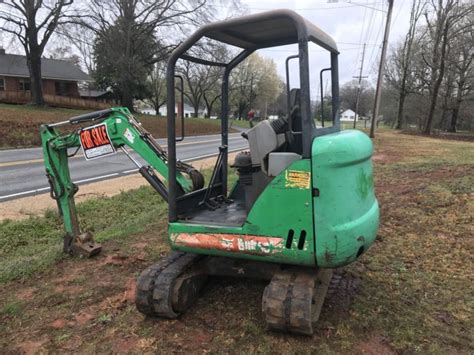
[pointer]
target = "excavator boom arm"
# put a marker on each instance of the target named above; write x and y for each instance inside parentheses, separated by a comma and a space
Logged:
(109, 131)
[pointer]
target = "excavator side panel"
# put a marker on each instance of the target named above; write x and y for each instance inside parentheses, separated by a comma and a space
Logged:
(279, 227)
(346, 212)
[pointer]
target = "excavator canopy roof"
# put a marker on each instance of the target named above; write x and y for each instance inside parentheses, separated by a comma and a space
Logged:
(268, 29)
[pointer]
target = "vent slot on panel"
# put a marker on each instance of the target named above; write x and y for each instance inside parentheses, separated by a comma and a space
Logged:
(289, 239)
(302, 240)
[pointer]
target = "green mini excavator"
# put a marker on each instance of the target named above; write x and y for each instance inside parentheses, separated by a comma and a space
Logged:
(302, 205)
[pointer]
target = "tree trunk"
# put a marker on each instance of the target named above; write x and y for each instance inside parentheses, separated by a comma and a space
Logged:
(36, 83)
(454, 120)
(437, 82)
(208, 107)
(401, 104)
(127, 98)
(157, 108)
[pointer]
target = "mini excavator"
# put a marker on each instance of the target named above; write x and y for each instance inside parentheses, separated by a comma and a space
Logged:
(303, 203)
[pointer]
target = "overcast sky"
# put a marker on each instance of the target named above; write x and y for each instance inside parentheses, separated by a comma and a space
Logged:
(350, 25)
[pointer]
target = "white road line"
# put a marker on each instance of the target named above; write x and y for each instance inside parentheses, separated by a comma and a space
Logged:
(110, 175)
(212, 154)
(96, 178)
(24, 193)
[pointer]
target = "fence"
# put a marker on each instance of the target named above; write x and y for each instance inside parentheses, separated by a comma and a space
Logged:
(23, 97)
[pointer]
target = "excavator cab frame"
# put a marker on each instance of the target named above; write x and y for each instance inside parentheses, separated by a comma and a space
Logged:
(250, 33)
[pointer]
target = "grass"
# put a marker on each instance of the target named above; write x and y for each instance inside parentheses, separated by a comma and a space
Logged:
(240, 123)
(33, 245)
(19, 124)
(415, 293)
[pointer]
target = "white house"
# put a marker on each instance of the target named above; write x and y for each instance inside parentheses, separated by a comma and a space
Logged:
(188, 111)
(348, 116)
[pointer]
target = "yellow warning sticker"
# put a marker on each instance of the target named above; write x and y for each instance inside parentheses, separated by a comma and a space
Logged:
(298, 179)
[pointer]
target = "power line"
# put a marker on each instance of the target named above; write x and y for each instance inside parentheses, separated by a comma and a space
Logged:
(372, 58)
(360, 38)
(353, 4)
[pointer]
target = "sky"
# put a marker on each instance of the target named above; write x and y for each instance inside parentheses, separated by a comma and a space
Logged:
(350, 24)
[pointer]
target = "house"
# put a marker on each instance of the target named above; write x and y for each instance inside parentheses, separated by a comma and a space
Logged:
(98, 95)
(60, 77)
(348, 116)
(188, 111)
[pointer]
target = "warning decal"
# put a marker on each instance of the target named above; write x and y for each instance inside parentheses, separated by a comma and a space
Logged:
(297, 179)
(249, 244)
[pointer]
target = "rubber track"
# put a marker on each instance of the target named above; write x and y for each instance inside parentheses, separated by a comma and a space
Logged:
(155, 284)
(287, 302)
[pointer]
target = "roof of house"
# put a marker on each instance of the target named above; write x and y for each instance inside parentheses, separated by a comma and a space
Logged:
(15, 65)
(349, 111)
(93, 93)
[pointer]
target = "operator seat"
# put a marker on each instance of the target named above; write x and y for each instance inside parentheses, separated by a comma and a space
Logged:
(273, 147)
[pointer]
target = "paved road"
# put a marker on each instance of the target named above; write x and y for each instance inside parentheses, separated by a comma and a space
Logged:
(22, 171)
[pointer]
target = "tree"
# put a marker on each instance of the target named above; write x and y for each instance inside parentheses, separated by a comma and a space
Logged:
(195, 77)
(64, 52)
(349, 93)
(203, 82)
(401, 60)
(268, 86)
(33, 22)
(254, 84)
(124, 65)
(157, 86)
(445, 15)
(126, 45)
(462, 67)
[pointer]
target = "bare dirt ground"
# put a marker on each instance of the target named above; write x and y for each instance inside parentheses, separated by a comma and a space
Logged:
(413, 293)
(26, 207)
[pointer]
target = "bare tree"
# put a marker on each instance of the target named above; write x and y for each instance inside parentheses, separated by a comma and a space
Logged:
(463, 70)
(402, 60)
(195, 77)
(33, 22)
(349, 92)
(446, 14)
(157, 86)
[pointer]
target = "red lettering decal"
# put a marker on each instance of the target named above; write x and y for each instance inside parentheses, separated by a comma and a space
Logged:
(103, 130)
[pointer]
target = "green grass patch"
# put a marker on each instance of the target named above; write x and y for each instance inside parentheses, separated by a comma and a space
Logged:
(12, 309)
(240, 123)
(34, 244)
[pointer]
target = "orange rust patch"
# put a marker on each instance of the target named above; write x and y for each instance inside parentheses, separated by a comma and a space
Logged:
(234, 243)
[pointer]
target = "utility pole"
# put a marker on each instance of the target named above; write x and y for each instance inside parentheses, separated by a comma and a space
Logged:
(359, 88)
(378, 90)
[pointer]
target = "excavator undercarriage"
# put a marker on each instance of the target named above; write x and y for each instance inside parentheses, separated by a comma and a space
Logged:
(291, 302)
